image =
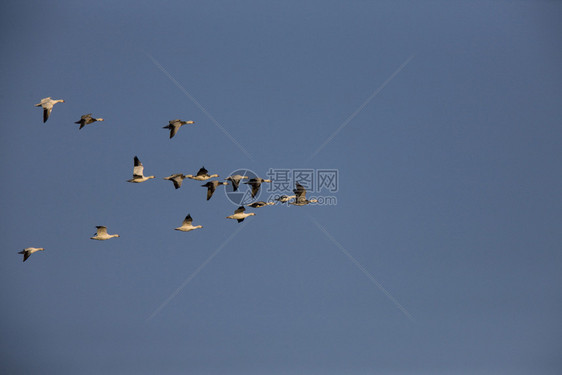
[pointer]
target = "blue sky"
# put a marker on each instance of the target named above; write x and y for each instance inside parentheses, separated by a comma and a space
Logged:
(441, 255)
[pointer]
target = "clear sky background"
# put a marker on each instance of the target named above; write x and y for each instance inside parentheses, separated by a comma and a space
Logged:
(442, 254)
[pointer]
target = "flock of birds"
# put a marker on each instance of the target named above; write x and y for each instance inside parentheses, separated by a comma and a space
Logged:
(298, 199)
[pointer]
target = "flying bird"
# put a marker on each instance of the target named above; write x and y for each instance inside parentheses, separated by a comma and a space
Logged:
(47, 104)
(177, 179)
(202, 175)
(87, 119)
(138, 172)
(255, 183)
(285, 198)
(186, 225)
(235, 180)
(28, 251)
(240, 215)
(300, 199)
(212, 186)
(101, 234)
(175, 125)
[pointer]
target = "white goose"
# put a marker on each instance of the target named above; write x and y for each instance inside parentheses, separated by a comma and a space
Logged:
(300, 199)
(102, 235)
(240, 215)
(202, 175)
(28, 251)
(47, 104)
(175, 125)
(186, 225)
(138, 175)
(86, 120)
(177, 179)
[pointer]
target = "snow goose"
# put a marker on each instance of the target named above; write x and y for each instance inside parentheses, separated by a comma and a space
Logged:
(235, 180)
(240, 215)
(259, 204)
(28, 251)
(138, 173)
(86, 120)
(202, 175)
(186, 225)
(175, 125)
(177, 179)
(212, 186)
(300, 199)
(101, 234)
(47, 104)
(255, 183)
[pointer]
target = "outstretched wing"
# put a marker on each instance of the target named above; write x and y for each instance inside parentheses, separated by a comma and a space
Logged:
(235, 183)
(300, 192)
(188, 220)
(102, 230)
(202, 172)
(239, 210)
(210, 190)
(138, 169)
(46, 113)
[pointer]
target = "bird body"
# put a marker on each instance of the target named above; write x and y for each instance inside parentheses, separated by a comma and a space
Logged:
(102, 235)
(47, 104)
(28, 251)
(138, 175)
(175, 125)
(86, 120)
(240, 215)
(187, 225)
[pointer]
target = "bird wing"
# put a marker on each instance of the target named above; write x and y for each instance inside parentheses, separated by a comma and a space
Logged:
(235, 183)
(300, 192)
(46, 113)
(138, 169)
(26, 254)
(173, 130)
(210, 190)
(255, 188)
(202, 171)
(102, 230)
(239, 210)
(177, 180)
(188, 220)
